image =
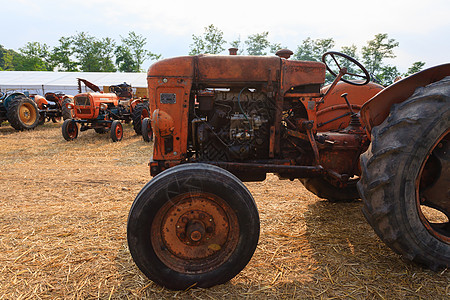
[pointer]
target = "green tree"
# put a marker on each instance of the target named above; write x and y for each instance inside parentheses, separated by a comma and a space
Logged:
(312, 50)
(257, 43)
(351, 51)
(6, 59)
(275, 47)
(210, 42)
(94, 55)
(61, 55)
(237, 44)
(416, 67)
(374, 54)
(34, 57)
(131, 54)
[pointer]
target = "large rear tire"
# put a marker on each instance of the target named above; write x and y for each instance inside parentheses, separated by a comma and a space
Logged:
(193, 225)
(23, 113)
(140, 111)
(405, 183)
(65, 112)
(324, 189)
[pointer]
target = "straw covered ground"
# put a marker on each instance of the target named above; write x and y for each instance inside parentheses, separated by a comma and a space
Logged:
(63, 214)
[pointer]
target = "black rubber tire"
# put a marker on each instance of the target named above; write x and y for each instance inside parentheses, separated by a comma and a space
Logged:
(390, 172)
(324, 189)
(140, 111)
(69, 130)
(14, 117)
(41, 119)
(184, 180)
(116, 132)
(147, 132)
(101, 130)
(65, 112)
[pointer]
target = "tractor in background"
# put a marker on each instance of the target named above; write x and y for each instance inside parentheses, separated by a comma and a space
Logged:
(105, 112)
(52, 106)
(19, 110)
(220, 120)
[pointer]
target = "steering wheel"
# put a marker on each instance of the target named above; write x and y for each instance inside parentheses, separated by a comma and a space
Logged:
(333, 54)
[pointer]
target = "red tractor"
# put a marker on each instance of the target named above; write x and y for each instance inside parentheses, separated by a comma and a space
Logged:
(221, 120)
(105, 112)
(53, 106)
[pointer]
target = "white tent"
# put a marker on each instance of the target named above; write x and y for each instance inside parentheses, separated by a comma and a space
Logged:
(41, 82)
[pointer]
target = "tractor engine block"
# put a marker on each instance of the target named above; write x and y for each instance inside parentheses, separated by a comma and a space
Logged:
(232, 125)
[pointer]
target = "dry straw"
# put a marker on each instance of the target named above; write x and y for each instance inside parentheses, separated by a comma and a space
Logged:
(63, 213)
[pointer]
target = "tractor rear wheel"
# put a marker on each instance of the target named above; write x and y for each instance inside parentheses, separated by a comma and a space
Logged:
(193, 225)
(140, 111)
(147, 132)
(324, 189)
(116, 131)
(65, 112)
(69, 130)
(23, 113)
(405, 183)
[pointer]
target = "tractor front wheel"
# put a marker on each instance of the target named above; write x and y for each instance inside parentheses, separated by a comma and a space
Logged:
(116, 131)
(193, 225)
(23, 113)
(405, 183)
(69, 130)
(147, 132)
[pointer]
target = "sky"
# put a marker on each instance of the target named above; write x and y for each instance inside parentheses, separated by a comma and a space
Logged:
(422, 28)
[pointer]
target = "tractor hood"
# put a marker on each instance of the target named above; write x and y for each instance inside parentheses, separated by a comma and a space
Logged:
(225, 70)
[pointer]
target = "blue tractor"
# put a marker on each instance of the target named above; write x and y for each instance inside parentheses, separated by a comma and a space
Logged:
(19, 110)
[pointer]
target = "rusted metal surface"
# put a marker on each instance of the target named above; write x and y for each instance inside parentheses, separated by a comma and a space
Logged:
(284, 53)
(195, 232)
(377, 109)
(88, 84)
(178, 91)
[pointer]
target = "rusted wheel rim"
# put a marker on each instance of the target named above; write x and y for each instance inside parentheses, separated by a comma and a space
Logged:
(119, 131)
(144, 114)
(195, 232)
(72, 130)
(432, 188)
(27, 114)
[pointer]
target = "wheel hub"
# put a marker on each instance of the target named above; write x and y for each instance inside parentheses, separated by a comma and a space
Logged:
(195, 227)
(195, 232)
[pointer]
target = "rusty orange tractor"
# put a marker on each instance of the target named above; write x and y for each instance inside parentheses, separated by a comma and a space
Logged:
(105, 112)
(221, 120)
(52, 106)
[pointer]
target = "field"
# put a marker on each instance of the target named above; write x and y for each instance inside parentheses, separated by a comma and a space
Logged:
(63, 214)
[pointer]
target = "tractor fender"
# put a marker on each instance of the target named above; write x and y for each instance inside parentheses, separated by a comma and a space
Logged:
(377, 109)
(11, 97)
(40, 101)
